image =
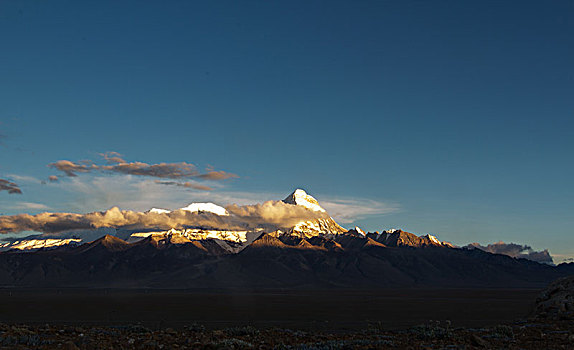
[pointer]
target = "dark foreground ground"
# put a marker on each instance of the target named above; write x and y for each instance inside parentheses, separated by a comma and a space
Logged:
(519, 335)
(329, 319)
(334, 310)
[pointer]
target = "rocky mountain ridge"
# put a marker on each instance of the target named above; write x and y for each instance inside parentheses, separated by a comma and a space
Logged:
(313, 253)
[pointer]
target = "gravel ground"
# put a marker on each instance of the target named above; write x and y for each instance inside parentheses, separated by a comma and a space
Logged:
(528, 334)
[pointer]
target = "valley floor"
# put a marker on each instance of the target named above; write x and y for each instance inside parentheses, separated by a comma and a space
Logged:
(311, 310)
(318, 319)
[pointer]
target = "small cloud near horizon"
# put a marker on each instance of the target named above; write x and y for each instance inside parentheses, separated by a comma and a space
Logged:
(29, 206)
(516, 251)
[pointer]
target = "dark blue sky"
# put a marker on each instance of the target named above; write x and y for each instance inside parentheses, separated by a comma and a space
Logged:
(457, 114)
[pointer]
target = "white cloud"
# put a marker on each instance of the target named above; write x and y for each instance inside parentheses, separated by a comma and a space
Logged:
(24, 178)
(129, 192)
(29, 206)
(350, 210)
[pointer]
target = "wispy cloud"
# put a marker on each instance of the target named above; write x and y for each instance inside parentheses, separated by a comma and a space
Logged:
(217, 175)
(127, 192)
(137, 193)
(29, 206)
(24, 178)
(350, 210)
(187, 184)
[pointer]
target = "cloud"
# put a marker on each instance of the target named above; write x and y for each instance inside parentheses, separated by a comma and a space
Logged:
(125, 191)
(117, 165)
(141, 193)
(9, 186)
(24, 178)
(53, 178)
(273, 214)
(71, 169)
(516, 251)
(350, 210)
(217, 175)
(185, 184)
(113, 157)
(162, 170)
(270, 215)
(29, 206)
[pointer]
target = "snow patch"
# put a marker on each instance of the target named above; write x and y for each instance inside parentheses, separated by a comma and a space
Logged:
(206, 207)
(35, 244)
(300, 197)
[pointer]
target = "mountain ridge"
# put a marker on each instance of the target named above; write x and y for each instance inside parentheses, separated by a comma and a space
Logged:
(315, 252)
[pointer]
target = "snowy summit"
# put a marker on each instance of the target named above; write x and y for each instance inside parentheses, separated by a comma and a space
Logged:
(300, 197)
(206, 207)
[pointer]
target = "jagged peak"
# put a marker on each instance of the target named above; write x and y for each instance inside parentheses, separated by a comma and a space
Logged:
(109, 242)
(267, 240)
(359, 231)
(432, 238)
(107, 239)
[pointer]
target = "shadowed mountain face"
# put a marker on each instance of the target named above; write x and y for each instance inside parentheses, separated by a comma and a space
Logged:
(272, 261)
(315, 253)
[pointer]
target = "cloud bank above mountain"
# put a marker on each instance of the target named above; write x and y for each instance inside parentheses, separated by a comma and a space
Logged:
(516, 251)
(92, 193)
(271, 215)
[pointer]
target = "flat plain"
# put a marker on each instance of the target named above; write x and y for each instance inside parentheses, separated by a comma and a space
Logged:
(313, 310)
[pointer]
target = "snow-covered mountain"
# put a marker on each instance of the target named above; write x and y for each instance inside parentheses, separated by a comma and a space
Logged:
(311, 228)
(300, 197)
(321, 226)
(55, 240)
(158, 211)
(195, 208)
(234, 241)
(36, 244)
(206, 208)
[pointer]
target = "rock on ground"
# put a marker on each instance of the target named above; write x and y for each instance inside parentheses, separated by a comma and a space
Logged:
(557, 301)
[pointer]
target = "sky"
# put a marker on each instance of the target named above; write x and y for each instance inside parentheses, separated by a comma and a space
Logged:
(444, 117)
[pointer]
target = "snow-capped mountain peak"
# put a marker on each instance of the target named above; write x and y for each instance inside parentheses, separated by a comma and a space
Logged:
(158, 211)
(360, 232)
(433, 239)
(206, 207)
(300, 197)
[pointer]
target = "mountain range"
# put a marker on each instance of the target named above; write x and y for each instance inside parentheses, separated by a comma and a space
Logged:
(315, 252)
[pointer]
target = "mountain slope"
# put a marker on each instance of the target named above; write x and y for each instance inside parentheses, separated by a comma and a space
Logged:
(313, 253)
(310, 228)
(272, 261)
